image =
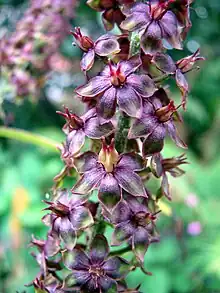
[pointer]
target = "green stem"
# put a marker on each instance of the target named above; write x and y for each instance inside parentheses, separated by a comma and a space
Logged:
(122, 132)
(28, 137)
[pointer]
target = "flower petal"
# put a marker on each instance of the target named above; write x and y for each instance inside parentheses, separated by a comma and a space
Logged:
(165, 187)
(99, 249)
(131, 65)
(81, 218)
(95, 86)
(75, 260)
(140, 242)
(182, 84)
(164, 63)
(171, 128)
(65, 229)
(121, 213)
(142, 127)
(169, 26)
(107, 45)
(87, 60)
(116, 267)
(109, 192)
(130, 181)
(95, 130)
(86, 162)
(76, 278)
(151, 146)
(135, 21)
(89, 181)
(150, 45)
(74, 142)
(132, 161)
(106, 104)
(142, 84)
(135, 203)
(52, 245)
(122, 232)
(108, 285)
(129, 101)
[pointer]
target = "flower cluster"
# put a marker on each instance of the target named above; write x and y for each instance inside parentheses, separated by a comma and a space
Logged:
(114, 148)
(25, 55)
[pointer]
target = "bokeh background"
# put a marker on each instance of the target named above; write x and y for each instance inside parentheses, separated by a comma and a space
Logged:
(187, 260)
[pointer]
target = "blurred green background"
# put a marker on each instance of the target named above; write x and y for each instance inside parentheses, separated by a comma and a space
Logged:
(187, 260)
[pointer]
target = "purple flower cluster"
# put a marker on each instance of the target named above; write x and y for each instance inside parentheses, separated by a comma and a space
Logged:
(114, 148)
(25, 55)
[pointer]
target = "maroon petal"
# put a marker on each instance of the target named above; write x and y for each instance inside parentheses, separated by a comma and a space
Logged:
(129, 101)
(164, 63)
(87, 60)
(52, 245)
(165, 187)
(182, 84)
(76, 278)
(169, 25)
(89, 181)
(173, 133)
(154, 142)
(116, 267)
(135, 21)
(99, 249)
(132, 161)
(86, 161)
(95, 86)
(75, 141)
(106, 105)
(75, 260)
(131, 65)
(81, 218)
(108, 285)
(153, 31)
(107, 45)
(109, 192)
(95, 130)
(156, 165)
(140, 243)
(150, 45)
(142, 127)
(130, 181)
(134, 204)
(122, 232)
(137, 7)
(142, 84)
(121, 213)
(65, 229)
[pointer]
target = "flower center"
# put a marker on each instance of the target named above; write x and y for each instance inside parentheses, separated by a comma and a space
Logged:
(165, 113)
(96, 271)
(108, 156)
(117, 77)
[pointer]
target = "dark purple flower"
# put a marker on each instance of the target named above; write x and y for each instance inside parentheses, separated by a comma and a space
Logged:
(112, 13)
(110, 173)
(46, 284)
(68, 215)
(157, 120)
(133, 223)
(119, 85)
(160, 167)
(77, 128)
(155, 22)
(104, 46)
(47, 250)
(166, 65)
(95, 272)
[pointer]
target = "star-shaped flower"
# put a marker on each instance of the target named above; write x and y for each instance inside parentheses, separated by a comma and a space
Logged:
(156, 122)
(119, 85)
(109, 172)
(95, 272)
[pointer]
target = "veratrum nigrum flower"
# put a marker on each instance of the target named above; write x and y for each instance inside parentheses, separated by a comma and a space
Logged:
(68, 215)
(157, 120)
(155, 22)
(109, 172)
(160, 167)
(78, 128)
(118, 85)
(104, 46)
(166, 64)
(133, 223)
(95, 271)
